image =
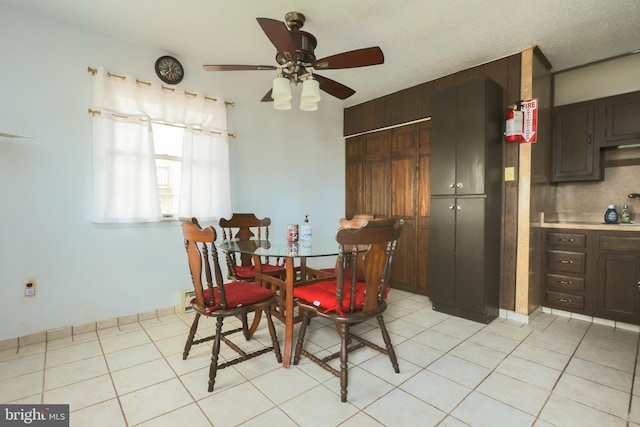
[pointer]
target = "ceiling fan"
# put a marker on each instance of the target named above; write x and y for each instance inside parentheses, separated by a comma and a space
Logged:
(296, 59)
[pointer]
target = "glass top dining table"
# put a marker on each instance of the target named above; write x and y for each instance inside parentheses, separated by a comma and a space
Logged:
(319, 246)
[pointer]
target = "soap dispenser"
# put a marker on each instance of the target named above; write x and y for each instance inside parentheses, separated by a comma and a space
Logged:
(611, 215)
(625, 214)
(305, 229)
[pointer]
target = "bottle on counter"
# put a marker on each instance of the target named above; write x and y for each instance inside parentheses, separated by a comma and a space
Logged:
(611, 215)
(305, 229)
(625, 214)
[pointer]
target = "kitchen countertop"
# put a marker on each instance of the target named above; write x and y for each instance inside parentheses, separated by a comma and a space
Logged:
(550, 222)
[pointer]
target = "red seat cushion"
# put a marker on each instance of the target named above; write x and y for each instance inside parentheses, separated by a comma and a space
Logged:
(238, 294)
(323, 295)
(347, 273)
(249, 271)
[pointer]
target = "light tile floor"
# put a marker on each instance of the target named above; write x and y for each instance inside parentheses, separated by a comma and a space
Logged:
(453, 372)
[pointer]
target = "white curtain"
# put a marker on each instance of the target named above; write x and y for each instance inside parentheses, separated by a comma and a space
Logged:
(124, 173)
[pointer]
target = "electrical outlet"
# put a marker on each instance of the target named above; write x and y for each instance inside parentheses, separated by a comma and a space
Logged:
(30, 288)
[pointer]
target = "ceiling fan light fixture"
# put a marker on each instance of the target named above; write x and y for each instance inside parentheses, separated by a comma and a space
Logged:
(308, 106)
(310, 91)
(281, 90)
(282, 105)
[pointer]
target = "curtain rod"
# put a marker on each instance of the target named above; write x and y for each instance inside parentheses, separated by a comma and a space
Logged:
(93, 71)
(122, 116)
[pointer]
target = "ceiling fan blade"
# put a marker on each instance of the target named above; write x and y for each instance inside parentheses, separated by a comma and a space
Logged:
(351, 59)
(267, 97)
(279, 35)
(334, 88)
(238, 67)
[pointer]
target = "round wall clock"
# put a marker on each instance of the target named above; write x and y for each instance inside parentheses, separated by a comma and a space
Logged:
(169, 70)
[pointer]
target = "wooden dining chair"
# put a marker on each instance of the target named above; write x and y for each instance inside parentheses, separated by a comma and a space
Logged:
(221, 300)
(348, 301)
(357, 221)
(245, 226)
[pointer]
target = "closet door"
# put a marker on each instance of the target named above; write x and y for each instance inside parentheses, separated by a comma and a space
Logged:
(354, 176)
(377, 174)
(403, 205)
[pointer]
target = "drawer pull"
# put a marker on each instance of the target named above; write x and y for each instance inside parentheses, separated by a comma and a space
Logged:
(565, 261)
(565, 282)
(564, 300)
(567, 240)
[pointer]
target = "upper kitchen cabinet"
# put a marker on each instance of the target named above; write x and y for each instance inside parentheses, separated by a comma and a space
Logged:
(622, 115)
(576, 152)
(580, 130)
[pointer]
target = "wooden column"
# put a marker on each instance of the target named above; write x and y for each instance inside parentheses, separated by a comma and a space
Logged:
(524, 196)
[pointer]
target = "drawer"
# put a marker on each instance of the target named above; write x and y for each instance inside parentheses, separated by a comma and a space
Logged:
(566, 240)
(565, 261)
(564, 301)
(565, 283)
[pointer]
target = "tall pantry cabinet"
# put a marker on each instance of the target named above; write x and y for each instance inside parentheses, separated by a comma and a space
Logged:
(466, 166)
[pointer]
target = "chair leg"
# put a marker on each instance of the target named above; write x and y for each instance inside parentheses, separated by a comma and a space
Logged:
(306, 319)
(213, 368)
(192, 334)
(245, 326)
(387, 342)
(344, 358)
(274, 336)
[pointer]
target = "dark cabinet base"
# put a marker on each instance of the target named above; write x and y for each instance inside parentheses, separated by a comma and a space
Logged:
(483, 317)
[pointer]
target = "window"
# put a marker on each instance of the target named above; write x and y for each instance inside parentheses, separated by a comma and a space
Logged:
(167, 143)
(145, 171)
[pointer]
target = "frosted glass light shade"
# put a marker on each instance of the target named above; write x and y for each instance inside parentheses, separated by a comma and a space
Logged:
(282, 105)
(308, 106)
(310, 91)
(281, 89)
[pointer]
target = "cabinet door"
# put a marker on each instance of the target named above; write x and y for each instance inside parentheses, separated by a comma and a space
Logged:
(623, 120)
(470, 253)
(618, 286)
(575, 154)
(354, 200)
(471, 137)
(442, 251)
(443, 142)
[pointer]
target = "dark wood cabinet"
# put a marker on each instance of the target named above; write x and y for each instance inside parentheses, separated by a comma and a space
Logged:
(622, 114)
(387, 174)
(619, 277)
(466, 163)
(576, 154)
(580, 130)
(593, 272)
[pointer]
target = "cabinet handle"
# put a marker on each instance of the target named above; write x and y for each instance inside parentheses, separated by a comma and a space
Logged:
(565, 300)
(565, 261)
(459, 185)
(589, 140)
(567, 240)
(639, 287)
(452, 207)
(452, 185)
(458, 207)
(566, 282)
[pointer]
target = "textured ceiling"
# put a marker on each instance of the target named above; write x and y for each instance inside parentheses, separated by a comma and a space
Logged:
(421, 39)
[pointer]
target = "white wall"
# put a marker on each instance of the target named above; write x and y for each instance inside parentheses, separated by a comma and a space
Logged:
(620, 75)
(284, 165)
